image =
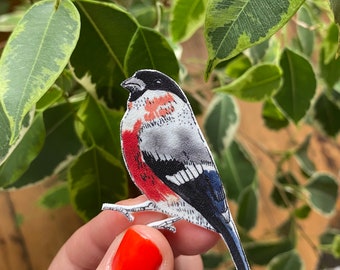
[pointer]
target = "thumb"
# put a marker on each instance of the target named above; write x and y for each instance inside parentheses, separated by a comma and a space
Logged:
(140, 247)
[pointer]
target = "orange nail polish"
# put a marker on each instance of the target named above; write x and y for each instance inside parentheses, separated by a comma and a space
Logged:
(136, 252)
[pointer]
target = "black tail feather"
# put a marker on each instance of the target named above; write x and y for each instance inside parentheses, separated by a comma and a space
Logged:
(232, 240)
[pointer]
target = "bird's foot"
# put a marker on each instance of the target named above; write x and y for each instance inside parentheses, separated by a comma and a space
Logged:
(128, 209)
(166, 224)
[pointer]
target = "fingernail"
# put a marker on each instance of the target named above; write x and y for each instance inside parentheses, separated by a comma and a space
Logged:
(136, 252)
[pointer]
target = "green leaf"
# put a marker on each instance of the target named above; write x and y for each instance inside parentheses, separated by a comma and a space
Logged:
(247, 208)
(329, 68)
(23, 154)
(9, 21)
(233, 26)
(112, 46)
(236, 169)
(299, 85)
(212, 260)
(335, 6)
(5, 148)
(94, 178)
(305, 34)
(322, 190)
(61, 144)
(286, 261)
(257, 83)
(149, 49)
(50, 98)
(330, 241)
(145, 11)
(258, 51)
(326, 115)
(66, 82)
(35, 55)
(282, 193)
(196, 106)
(56, 197)
(221, 122)
(330, 44)
(288, 229)
(273, 53)
(237, 66)
(272, 116)
(98, 59)
(336, 246)
(302, 212)
(97, 125)
(187, 17)
(5, 131)
(19, 219)
(328, 236)
(262, 252)
(302, 158)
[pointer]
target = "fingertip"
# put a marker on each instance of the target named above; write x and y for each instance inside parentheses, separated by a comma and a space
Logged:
(139, 247)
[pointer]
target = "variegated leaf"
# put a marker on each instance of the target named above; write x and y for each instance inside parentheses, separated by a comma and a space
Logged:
(232, 26)
(35, 55)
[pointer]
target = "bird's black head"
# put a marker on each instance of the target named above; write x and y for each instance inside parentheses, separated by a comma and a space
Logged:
(153, 80)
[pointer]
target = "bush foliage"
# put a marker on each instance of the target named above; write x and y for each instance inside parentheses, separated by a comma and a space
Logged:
(61, 100)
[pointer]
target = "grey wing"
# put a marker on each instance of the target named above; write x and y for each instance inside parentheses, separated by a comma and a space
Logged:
(182, 160)
(181, 147)
(179, 142)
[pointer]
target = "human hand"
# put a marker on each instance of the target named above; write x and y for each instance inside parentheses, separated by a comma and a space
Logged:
(110, 241)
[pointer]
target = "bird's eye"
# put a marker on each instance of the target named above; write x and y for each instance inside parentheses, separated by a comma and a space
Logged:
(158, 81)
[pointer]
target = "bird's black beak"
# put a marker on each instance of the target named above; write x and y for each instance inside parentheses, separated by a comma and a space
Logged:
(133, 84)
